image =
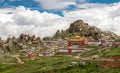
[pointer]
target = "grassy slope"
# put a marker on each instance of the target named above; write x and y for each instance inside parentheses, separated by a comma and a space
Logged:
(38, 65)
(55, 65)
(113, 52)
(107, 52)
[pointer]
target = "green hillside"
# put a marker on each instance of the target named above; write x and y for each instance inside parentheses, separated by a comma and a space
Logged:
(113, 52)
(56, 65)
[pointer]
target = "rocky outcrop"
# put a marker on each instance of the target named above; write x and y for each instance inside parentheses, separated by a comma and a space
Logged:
(24, 41)
(83, 29)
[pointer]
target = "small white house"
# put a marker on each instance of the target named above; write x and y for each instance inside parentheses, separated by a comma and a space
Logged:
(45, 54)
(109, 42)
(94, 42)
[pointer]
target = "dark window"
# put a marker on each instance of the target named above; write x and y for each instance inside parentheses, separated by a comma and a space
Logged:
(75, 44)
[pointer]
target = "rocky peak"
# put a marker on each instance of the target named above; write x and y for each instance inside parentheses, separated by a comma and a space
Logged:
(58, 32)
(77, 26)
(83, 29)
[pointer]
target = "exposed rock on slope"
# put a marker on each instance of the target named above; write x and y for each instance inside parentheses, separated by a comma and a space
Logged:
(83, 29)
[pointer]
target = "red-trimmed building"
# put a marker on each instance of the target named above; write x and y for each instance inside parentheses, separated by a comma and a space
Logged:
(115, 44)
(36, 42)
(78, 41)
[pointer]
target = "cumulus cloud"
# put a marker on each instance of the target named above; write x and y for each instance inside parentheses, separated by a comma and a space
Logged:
(56, 4)
(103, 16)
(22, 20)
(90, 5)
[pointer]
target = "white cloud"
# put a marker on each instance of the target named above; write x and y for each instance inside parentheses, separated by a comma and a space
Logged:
(103, 16)
(56, 4)
(90, 5)
(4, 16)
(26, 21)
(21, 20)
(59, 4)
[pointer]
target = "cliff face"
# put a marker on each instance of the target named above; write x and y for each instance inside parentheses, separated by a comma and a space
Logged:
(83, 29)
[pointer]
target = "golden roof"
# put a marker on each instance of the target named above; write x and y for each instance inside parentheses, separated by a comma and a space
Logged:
(78, 38)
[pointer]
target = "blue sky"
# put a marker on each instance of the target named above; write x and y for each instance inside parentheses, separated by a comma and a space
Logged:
(104, 1)
(36, 5)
